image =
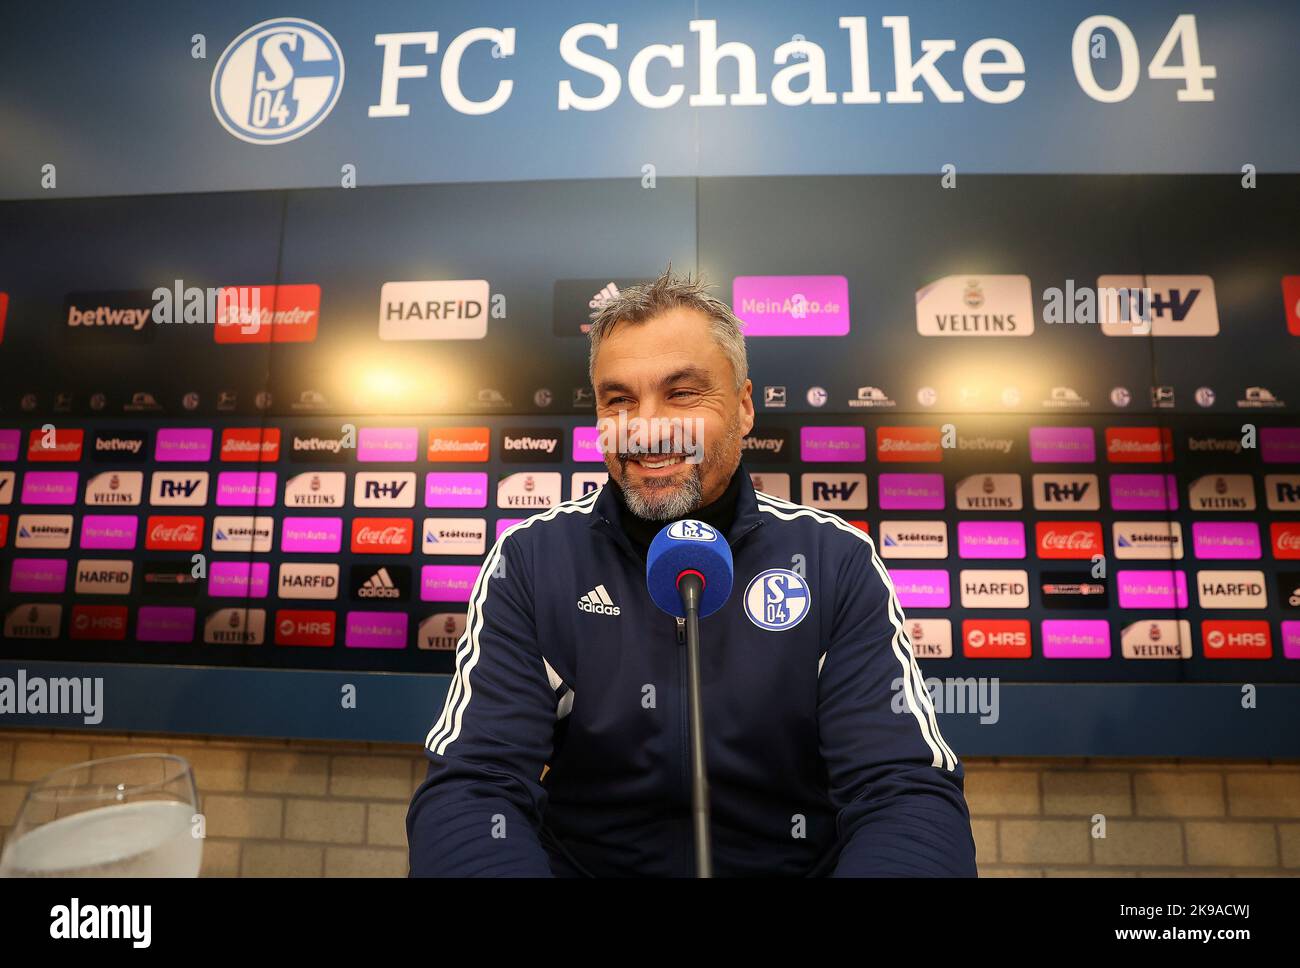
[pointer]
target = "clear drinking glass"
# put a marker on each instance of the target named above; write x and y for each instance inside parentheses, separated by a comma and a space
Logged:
(125, 816)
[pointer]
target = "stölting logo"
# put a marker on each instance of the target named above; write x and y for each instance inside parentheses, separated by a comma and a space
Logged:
(277, 80)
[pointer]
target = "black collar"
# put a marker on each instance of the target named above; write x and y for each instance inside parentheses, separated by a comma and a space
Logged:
(609, 510)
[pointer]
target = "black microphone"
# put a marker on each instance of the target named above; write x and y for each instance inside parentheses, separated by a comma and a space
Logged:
(689, 571)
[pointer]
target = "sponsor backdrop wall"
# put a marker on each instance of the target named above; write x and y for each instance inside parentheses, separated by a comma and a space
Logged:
(290, 331)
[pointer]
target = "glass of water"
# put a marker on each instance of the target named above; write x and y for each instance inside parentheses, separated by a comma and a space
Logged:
(125, 816)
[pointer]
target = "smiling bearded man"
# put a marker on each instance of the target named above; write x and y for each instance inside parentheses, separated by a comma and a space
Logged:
(562, 747)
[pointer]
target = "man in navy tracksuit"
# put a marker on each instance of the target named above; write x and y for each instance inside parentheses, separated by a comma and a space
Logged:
(562, 748)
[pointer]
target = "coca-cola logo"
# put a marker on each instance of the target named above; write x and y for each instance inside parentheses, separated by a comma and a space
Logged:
(1063, 540)
(174, 534)
(382, 536)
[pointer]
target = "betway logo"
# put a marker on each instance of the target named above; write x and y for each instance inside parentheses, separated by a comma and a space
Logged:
(545, 445)
(107, 316)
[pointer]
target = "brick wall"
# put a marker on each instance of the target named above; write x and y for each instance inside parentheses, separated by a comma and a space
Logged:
(306, 808)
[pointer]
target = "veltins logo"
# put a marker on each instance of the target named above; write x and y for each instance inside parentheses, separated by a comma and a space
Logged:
(976, 306)
(277, 80)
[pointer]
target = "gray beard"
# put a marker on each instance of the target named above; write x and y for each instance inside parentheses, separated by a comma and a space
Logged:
(665, 504)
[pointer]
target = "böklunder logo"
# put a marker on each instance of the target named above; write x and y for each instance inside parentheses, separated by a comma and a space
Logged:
(267, 314)
(459, 445)
(55, 445)
(250, 444)
(908, 445)
(792, 305)
(969, 305)
(1139, 445)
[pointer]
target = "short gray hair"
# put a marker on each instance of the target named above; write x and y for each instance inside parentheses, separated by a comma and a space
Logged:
(639, 304)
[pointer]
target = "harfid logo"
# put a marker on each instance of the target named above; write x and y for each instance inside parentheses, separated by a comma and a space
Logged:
(277, 80)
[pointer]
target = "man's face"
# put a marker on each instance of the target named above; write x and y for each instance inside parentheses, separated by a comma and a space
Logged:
(670, 373)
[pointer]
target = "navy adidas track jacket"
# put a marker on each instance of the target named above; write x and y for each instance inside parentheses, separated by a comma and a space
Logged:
(563, 745)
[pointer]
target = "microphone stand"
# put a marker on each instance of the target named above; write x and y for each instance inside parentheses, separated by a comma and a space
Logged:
(690, 584)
